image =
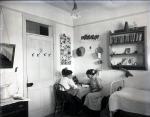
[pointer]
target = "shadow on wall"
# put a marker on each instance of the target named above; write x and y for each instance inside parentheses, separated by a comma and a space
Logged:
(120, 25)
(74, 53)
(106, 60)
(82, 78)
(94, 56)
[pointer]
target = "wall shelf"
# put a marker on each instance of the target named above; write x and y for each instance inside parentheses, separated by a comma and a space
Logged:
(127, 49)
(131, 54)
(141, 42)
(128, 67)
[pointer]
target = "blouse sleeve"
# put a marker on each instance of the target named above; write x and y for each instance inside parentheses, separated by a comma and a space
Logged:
(72, 84)
(99, 81)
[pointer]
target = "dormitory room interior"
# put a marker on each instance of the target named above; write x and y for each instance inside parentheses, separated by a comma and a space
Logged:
(75, 58)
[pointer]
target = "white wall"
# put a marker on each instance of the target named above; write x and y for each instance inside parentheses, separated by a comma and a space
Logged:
(12, 33)
(115, 19)
(14, 13)
(61, 29)
(110, 11)
(92, 22)
(41, 9)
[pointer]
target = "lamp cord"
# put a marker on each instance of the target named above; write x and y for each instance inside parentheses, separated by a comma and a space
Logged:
(74, 5)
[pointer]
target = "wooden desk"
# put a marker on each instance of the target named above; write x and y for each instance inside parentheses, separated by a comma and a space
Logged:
(83, 91)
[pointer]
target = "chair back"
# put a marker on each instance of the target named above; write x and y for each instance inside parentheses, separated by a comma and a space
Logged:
(59, 92)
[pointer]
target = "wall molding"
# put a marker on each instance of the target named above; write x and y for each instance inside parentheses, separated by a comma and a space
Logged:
(84, 24)
(37, 16)
(109, 19)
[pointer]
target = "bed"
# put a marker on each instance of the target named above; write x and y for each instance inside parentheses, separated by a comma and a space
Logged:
(129, 99)
(93, 101)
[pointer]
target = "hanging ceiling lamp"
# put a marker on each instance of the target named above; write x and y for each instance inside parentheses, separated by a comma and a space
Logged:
(75, 12)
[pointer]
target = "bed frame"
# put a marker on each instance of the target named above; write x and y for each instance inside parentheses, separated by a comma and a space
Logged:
(116, 86)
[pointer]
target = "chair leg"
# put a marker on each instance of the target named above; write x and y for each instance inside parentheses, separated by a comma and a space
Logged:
(55, 110)
(62, 109)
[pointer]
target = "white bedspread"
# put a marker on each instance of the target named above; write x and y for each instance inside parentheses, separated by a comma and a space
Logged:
(131, 100)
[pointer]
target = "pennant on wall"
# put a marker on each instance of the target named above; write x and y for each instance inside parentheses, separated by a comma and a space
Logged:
(90, 37)
(65, 50)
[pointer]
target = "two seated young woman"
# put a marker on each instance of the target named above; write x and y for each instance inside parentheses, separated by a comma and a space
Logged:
(91, 96)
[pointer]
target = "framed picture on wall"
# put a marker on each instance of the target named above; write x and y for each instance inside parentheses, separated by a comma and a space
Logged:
(7, 53)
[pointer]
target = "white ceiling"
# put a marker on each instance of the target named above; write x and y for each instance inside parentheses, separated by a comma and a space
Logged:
(83, 5)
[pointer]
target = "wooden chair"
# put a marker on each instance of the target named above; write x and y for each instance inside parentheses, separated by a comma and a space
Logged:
(64, 101)
(59, 98)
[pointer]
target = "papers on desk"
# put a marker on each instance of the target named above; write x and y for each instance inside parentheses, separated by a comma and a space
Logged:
(84, 85)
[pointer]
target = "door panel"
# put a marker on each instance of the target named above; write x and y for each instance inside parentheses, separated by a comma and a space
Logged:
(40, 73)
(32, 60)
(33, 105)
(46, 57)
(46, 101)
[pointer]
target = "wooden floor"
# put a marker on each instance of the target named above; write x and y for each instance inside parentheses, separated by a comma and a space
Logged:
(103, 113)
(87, 113)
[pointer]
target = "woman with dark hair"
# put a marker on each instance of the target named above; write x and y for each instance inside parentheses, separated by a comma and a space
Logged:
(93, 81)
(74, 104)
(94, 98)
(66, 80)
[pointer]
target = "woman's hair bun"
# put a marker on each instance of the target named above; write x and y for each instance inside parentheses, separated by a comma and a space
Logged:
(66, 72)
(91, 72)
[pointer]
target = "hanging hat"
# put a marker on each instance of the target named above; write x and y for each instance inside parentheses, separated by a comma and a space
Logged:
(80, 51)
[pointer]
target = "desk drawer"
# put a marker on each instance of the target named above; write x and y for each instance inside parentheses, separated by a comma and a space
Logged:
(15, 109)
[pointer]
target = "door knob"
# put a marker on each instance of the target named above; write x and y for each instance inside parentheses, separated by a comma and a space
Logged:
(30, 84)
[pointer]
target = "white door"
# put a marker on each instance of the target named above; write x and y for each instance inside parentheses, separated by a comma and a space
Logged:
(40, 74)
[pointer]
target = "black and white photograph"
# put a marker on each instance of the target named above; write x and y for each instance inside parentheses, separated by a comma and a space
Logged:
(74, 58)
(7, 52)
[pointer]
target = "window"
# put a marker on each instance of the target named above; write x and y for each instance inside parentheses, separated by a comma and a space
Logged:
(37, 28)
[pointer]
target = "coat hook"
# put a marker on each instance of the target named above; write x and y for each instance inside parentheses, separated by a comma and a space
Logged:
(40, 51)
(32, 54)
(16, 69)
(45, 54)
(38, 54)
(49, 54)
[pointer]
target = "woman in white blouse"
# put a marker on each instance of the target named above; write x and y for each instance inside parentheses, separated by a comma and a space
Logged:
(74, 103)
(67, 81)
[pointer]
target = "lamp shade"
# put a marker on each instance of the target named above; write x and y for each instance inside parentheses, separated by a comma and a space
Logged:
(75, 12)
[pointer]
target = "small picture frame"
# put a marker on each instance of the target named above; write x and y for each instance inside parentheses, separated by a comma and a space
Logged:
(127, 51)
